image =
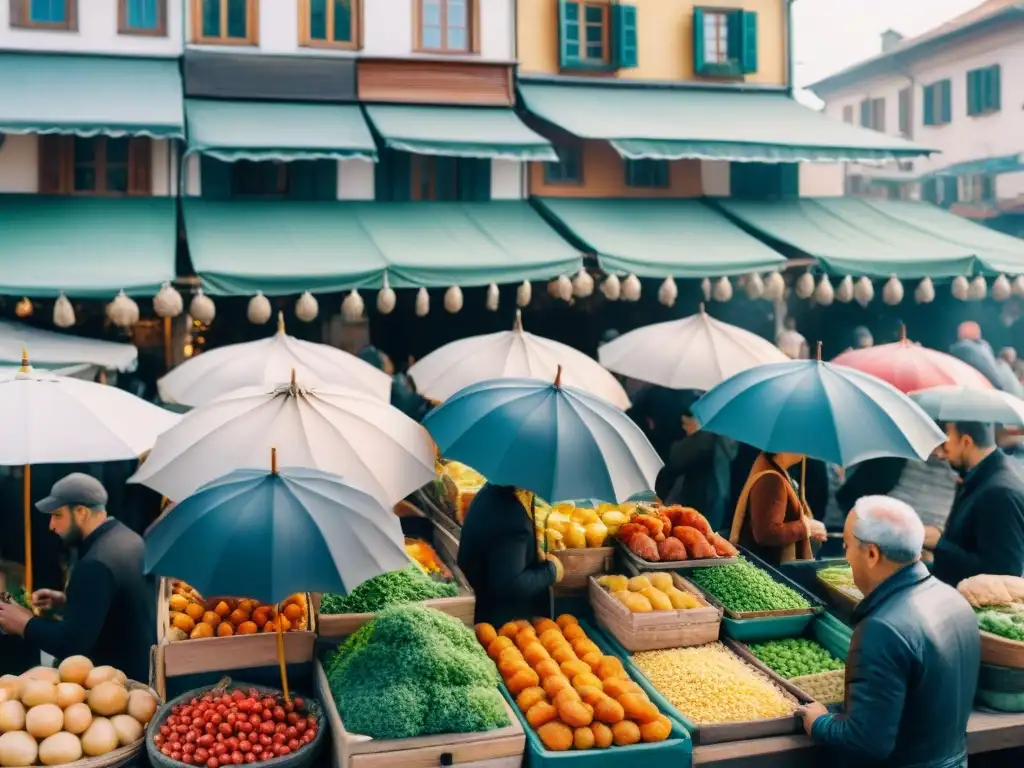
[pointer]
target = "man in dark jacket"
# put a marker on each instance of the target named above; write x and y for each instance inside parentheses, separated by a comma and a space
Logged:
(498, 555)
(110, 605)
(985, 529)
(912, 668)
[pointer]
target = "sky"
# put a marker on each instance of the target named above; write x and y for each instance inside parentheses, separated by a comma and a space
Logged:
(830, 35)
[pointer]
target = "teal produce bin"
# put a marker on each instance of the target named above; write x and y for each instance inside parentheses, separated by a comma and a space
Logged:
(676, 750)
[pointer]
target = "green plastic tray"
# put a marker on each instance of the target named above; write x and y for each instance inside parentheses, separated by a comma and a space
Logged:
(675, 750)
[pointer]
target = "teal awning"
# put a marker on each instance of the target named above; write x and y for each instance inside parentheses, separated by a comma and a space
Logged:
(286, 247)
(981, 166)
(673, 124)
(483, 132)
(90, 95)
(86, 247)
(660, 237)
(282, 131)
(879, 238)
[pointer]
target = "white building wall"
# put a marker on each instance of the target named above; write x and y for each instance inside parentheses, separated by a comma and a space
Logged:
(97, 33)
(356, 180)
(822, 179)
(506, 180)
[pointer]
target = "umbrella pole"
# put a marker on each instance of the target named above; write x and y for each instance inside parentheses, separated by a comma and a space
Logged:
(168, 357)
(281, 659)
(27, 494)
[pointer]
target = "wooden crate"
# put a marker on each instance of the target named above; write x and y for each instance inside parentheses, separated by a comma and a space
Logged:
(580, 564)
(1001, 651)
(462, 607)
(216, 654)
(500, 748)
(843, 599)
(658, 629)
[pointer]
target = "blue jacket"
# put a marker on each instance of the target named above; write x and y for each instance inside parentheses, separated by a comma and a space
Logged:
(911, 675)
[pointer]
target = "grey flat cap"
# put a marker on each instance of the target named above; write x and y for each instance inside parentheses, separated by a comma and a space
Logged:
(75, 490)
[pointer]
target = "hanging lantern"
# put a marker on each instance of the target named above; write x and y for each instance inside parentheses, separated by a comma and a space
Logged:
(202, 308)
(611, 288)
(1001, 288)
(352, 307)
(1018, 286)
(23, 308)
(307, 307)
(844, 293)
(168, 302)
(978, 289)
(524, 294)
(892, 291)
(582, 284)
(960, 288)
(123, 311)
(754, 287)
(422, 302)
(631, 288)
(560, 288)
(668, 292)
(864, 292)
(805, 285)
(386, 298)
(723, 290)
(259, 310)
(775, 287)
(925, 292)
(63, 312)
(493, 295)
(705, 288)
(824, 294)
(453, 299)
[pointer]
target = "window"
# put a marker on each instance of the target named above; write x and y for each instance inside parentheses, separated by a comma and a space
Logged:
(724, 42)
(940, 191)
(848, 113)
(259, 179)
(329, 23)
(597, 34)
(434, 178)
(905, 108)
(647, 173)
(872, 114)
(225, 22)
(979, 188)
(855, 184)
(45, 14)
(938, 103)
(73, 165)
(983, 91)
(445, 25)
(568, 169)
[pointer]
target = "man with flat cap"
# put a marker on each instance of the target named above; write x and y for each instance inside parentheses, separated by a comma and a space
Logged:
(110, 605)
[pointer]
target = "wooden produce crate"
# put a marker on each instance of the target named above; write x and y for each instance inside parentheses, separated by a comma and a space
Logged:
(580, 564)
(843, 599)
(462, 607)
(223, 654)
(1001, 651)
(658, 629)
(500, 748)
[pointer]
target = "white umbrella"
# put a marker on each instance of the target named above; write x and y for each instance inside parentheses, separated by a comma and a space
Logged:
(696, 352)
(960, 403)
(51, 349)
(266, 362)
(346, 433)
(49, 419)
(513, 354)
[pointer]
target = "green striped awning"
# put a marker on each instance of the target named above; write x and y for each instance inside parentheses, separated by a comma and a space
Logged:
(86, 247)
(481, 132)
(282, 131)
(90, 95)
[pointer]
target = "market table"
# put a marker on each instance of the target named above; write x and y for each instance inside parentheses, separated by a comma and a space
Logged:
(986, 732)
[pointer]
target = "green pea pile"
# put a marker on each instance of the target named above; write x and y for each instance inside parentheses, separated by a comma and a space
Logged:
(795, 657)
(744, 588)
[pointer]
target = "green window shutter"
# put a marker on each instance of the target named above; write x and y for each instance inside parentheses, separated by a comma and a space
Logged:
(568, 34)
(928, 97)
(972, 93)
(392, 182)
(865, 113)
(624, 39)
(946, 100)
(474, 180)
(698, 41)
(747, 53)
(789, 180)
(995, 95)
(214, 179)
(325, 180)
(301, 180)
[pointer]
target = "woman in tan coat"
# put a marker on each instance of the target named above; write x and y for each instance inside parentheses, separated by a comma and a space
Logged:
(771, 518)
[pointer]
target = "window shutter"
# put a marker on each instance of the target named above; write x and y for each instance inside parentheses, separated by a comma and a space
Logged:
(302, 180)
(448, 178)
(18, 12)
(865, 113)
(789, 180)
(474, 180)
(214, 178)
(568, 34)
(624, 39)
(698, 41)
(392, 176)
(73, 15)
(140, 167)
(994, 100)
(325, 180)
(928, 95)
(946, 99)
(51, 153)
(748, 45)
(972, 92)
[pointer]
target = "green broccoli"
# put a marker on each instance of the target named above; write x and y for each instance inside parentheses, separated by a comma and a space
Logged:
(411, 671)
(408, 585)
(1000, 624)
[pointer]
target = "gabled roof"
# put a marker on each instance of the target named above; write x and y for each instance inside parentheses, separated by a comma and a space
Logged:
(988, 16)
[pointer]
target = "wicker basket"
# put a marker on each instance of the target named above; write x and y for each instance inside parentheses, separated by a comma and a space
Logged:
(123, 755)
(1001, 651)
(824, 687)
(656, 630)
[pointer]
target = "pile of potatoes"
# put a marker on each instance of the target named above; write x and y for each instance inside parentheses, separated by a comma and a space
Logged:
(55, 716)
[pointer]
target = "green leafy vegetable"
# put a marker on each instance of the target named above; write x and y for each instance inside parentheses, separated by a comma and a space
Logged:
(796, 657)
(744, 588)
(408, 585)
(1005, 624)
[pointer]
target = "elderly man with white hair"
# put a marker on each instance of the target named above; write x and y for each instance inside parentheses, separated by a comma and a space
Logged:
(913, 664)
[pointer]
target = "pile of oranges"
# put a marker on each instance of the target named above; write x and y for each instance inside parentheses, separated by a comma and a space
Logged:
(192, 617)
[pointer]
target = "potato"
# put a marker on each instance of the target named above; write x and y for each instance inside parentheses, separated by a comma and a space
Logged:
(142, 705)
(100, 738)
(75, 669)
(49, 674)
(68, 694)
(59, 749)
(12, 716)
(103, 674)
(35, 692)
(17, 748)
(77, 718)
(108, 698)
(128, 729)
(44, 721)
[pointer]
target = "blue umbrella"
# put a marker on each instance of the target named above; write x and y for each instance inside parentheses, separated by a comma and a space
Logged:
(828, 412)
(268, 535)
(558, 442)
(958, 403)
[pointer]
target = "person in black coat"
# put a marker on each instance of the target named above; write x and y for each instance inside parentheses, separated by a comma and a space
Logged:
(499, 557)
(912, 667)
(985, 529)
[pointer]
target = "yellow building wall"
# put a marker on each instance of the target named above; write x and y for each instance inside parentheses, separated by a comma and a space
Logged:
(665, 39)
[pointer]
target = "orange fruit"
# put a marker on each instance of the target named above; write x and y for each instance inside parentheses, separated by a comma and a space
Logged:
(202, 630)
(286, 626)
(194, 611)
(261, 616)
(225, 629)
(270, 626)
(248, 628)
(183, 622)
(238, 616)
(222, 609)
(212, 619)
(293, 613)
